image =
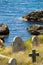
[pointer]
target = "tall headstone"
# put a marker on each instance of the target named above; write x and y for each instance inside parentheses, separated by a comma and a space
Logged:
(12, 61)
(35, 41)
(18, 45)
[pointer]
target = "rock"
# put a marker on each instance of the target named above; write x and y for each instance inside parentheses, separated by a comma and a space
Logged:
(18, 45)
(1, 43)
(12, 61)
(3, 30)
(36, 15)
(35, 29)
(35, 41)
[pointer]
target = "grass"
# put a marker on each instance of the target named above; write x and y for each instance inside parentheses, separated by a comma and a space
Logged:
(22, 56)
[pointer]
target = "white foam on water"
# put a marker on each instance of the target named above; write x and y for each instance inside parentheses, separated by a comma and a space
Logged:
(20, 18)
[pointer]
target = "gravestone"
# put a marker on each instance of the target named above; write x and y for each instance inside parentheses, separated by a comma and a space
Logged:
(35, 41)
(1, 43)
(33, 55)
(12, 61)
(18, 45)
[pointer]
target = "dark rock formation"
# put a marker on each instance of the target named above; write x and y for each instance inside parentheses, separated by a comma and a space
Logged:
(34, 16)
(3, 30)
(35, 29)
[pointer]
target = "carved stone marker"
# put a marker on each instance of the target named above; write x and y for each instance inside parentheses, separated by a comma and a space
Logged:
(18, 45)
(35, 41)
(33, 55)
(1, 43)
(12, 61)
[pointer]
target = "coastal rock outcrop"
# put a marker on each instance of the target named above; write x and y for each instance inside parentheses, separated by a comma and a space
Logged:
(36, 15)
(35, 29)
(4, 30)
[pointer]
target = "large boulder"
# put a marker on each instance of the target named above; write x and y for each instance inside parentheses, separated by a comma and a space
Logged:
(4, 30)
(36, 15)
(35, 29)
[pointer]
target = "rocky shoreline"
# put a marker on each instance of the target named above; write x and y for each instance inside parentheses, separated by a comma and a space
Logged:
(4, 31)
(36, 16)
(35, 29)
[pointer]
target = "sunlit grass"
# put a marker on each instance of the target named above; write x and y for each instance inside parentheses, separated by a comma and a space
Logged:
(22, 57)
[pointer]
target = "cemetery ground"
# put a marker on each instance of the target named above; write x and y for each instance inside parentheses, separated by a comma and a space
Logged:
(22, 57)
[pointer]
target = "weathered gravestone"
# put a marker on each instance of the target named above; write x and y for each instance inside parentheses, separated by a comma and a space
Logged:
(18, 45)
(12, 61)
(1, 43)
(33, 55)
(35, 41)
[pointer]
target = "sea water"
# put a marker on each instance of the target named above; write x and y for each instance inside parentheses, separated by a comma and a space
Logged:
(11, 10)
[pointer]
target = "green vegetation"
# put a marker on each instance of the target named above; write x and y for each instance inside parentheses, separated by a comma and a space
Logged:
(22, 56)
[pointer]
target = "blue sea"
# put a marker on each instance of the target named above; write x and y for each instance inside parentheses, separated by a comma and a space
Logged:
(11, 10)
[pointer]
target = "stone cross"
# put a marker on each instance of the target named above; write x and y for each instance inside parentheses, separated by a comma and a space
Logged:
(12, 61)
(33, 55)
